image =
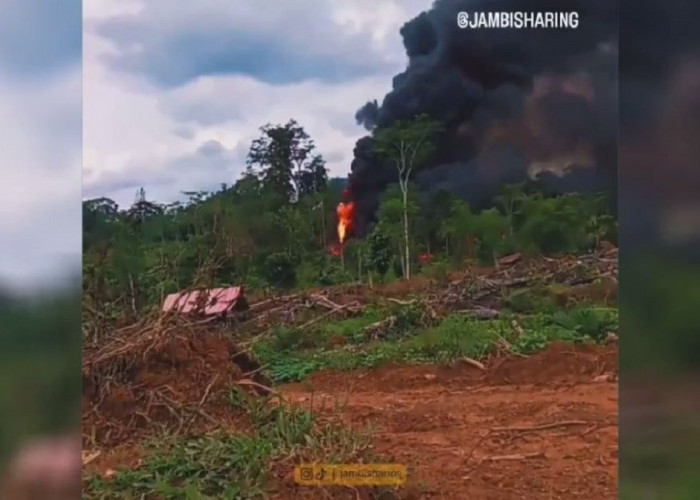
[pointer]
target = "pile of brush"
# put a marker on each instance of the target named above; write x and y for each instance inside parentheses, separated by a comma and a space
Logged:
(169, 373)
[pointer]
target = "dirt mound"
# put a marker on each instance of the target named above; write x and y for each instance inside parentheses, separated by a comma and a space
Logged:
(172, 373)
(561, 363)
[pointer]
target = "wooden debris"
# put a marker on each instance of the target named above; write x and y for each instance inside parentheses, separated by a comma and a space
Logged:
(553, 425)
(90, 456)
(379, 328)
(509, 259)
(473, 363)
(516, 456)
(482, 313)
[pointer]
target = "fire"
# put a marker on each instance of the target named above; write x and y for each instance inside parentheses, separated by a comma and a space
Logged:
(345, 214)
(336, 250)
(426, 258)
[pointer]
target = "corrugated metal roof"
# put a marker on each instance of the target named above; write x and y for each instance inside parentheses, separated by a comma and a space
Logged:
(216, 301)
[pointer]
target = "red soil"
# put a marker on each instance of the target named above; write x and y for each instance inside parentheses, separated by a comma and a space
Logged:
(446, 424)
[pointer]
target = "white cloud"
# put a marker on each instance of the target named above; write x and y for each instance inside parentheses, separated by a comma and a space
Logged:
(138, 133)
(281, 42)
(40, 214)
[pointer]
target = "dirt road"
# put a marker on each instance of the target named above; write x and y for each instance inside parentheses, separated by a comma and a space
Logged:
(543, 427)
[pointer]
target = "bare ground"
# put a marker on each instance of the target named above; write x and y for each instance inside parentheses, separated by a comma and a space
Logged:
(544, 427)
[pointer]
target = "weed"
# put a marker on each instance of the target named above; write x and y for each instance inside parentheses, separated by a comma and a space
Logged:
(220, 466)
(285, 338)
(408, 317)
(293, 369)
(353, 328)
(223, 465)
(593, 323)
(538, 298)
(454, 337)
(531, 342)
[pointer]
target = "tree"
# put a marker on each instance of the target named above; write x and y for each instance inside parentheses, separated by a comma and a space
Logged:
(408, 144)
(284, 160)
(143, 209)
(457, 227)
(378, 253)
(435, 208)
(393, 212)
(492, 234)
(509, 199)
(280, 270)
(98, 217)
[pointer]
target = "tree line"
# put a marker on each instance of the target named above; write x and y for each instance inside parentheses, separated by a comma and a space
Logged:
(274, 228)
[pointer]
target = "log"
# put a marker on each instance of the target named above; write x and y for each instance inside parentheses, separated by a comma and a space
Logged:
(481, 313)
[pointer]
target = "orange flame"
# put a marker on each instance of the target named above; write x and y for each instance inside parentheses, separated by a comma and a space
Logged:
(345, 213)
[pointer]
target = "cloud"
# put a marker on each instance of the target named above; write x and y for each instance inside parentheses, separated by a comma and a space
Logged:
(40, 118)
(280, 43)
(140, 131)
(220, 114)
(38, 37)
(205, 168)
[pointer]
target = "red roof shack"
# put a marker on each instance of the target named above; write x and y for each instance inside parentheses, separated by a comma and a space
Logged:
(212, 302)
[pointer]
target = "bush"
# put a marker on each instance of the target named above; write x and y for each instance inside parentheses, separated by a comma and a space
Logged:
(492, 235)
(280, 270)
(438, 270)
(570, 223)
(588, 323)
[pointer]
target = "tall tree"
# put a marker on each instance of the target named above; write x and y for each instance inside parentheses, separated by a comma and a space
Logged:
(408, 144)
(509, 198)
(143, 209)
(457, 227)
(284, 160)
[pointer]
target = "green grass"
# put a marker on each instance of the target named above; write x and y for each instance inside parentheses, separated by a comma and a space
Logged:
(352, 328)
(454, 337)
(229, 466)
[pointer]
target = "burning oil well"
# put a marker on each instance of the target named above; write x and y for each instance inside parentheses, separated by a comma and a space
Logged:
(515, 105)
(346, 216)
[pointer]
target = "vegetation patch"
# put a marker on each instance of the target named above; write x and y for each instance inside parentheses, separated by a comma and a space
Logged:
(455, 336)
(233, 466)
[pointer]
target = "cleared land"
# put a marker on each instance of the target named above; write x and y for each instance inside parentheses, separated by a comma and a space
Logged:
(497, 383)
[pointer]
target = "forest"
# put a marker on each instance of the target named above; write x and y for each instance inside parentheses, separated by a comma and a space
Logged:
(275, 228)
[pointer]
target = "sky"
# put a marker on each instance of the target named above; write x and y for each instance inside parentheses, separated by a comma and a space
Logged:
(175, 92)
(167, 96)
(40, 140)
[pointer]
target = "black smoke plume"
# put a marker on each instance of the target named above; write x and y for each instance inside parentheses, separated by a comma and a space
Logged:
(515, 104)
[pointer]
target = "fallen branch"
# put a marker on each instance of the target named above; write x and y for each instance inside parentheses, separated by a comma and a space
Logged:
(476, 445)
(325, 315)
(89, 457)
(265, 388)
(553, 425)
(592, 428)
(506, 346)
(473, 362)
(481, 313)
(325, 301)
(208, 388)
(401, 302)
(206, 416)
(257, 370)
(379, 327)
(516, 456)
